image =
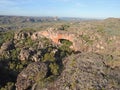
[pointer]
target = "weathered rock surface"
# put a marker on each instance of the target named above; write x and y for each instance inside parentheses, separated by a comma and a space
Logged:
(36, 57)
(22, 35)
(86, 72)
(33, 73)
(8, 45)
(84, 40)
(55, 36)
(24, 54)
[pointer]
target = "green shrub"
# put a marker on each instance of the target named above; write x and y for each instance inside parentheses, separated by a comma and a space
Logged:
(54, 68)
(65, 49)
(28, 30)
(49, 57)
(66, 42)
(86, 38)
(9, 86)
(63, 27)
(14, 54)
(6, 36)
(46, 42)
(29, 42)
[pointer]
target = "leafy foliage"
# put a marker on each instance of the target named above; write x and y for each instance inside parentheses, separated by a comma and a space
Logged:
(66, 42)
(9, 86)
(54, 68)
(6, 36)
(49, 57)
(64, 27)
(87, 39)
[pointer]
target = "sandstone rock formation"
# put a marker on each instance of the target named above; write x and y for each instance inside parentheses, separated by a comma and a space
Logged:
(22, 35)
(84, 40)
(86, 71)
(55, 36)
(33, 73)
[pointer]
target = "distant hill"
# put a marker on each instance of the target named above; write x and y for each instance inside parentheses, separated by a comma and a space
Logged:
(18, 22)
(24, 19)
(76, 19)
(22, 22)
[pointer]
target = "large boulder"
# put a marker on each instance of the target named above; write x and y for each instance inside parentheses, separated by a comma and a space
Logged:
(9, 45)
(33, 73)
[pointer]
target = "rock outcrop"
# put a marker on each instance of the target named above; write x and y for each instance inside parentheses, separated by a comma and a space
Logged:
(33, 73)
(24, 54)
(86, 71)
(8, 45)
(22, 35)
(84, 41)
(55, 36)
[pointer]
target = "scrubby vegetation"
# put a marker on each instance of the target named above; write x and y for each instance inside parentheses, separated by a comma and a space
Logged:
(11, 66)
(26, 63)
(6, 36)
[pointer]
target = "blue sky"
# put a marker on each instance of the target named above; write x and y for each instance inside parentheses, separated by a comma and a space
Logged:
(61, 8)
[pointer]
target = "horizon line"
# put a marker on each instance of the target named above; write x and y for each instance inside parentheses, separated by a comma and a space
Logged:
(58, 16)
